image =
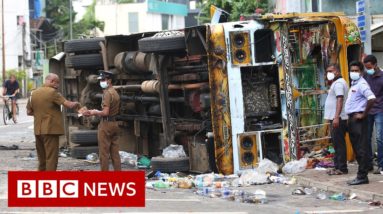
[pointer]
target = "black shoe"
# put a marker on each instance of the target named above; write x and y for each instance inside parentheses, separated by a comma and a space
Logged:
(358, 181)
(379, 171)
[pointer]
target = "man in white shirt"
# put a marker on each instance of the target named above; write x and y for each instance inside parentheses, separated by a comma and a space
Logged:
(335, 114)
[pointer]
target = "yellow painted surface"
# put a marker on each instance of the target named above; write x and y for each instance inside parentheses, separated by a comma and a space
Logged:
(219, 92)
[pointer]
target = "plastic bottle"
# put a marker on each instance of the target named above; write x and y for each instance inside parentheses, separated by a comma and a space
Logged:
(92, 157)
(338, 197)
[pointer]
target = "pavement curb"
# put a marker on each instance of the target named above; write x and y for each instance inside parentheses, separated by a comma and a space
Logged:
(361, 195)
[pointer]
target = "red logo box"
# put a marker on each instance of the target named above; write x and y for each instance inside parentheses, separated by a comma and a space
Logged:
(76, 189)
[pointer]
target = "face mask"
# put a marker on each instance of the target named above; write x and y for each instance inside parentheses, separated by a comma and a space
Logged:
(370, 71)
(354, 75)
(103, 84)
(330, 76)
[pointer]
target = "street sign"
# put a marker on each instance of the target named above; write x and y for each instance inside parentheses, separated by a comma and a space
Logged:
(361, 21)
(360, 6)
(363, 35)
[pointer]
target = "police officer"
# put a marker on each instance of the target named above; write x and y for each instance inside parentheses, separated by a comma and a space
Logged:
(359, 101)
(44, 105)
(108, 128)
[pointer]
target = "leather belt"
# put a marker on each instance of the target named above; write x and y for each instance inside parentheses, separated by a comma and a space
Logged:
(353, 113)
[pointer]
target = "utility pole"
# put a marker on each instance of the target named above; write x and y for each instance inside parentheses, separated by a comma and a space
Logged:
(70, 19)
(367, 44)
(3, 37)
(25, 81)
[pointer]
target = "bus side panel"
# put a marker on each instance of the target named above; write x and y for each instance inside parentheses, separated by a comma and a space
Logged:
(219, 92)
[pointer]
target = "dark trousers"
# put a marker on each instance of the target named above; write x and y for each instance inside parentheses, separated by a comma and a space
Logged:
(358, 136)
(339, 143)
(108, 146)
(47, 148)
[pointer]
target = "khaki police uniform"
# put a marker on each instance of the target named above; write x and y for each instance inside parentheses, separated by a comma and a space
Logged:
(45, 103)
(108, 131)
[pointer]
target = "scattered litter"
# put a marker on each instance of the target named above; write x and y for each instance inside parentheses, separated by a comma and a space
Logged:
(143, 162)
(375, 203)
(161, 185)
(267, 166)
(174, 151)
(338, 197)
(92, 158)
(13, 147)
(185, 183)
(252, 177)
(310, 191)
(352, 196)
(128, 158)
(321, 196)
(63, 155)
(299, 191)
(295, 166)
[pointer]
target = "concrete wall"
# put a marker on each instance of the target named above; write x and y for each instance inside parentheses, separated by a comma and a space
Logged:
(13, 32)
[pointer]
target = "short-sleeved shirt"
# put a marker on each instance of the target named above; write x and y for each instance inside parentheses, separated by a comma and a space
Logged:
(376, 85)
(111, 99)
(45, 103)
(338, 88)
(358, 95)
(11, 87)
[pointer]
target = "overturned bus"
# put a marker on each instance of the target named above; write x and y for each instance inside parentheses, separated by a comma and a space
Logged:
(230, 93)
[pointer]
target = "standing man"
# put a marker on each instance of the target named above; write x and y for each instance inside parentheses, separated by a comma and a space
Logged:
(374, 78)
(44, 105)
(11, 88)
(108, 129)
(334, 112)
(360, 100)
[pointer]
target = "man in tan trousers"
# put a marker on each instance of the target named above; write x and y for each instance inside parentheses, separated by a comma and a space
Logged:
(44, 105)
(108, 129)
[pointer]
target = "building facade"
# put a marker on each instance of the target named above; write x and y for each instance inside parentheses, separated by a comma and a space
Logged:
(141, 16)
(16, 34)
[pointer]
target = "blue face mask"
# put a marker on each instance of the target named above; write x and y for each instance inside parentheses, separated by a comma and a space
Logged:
(370, 71)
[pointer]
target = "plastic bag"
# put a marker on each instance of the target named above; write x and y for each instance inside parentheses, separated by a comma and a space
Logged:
(295, 166)
(266, 166)
(128, 158)
(174, 151)
(250, 177)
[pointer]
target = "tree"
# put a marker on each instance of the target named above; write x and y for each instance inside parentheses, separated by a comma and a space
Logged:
(58, 12)
(234, 8)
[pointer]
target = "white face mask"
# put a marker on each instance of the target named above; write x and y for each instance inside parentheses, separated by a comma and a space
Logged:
(103, 84)
(330, 76)
(354, 75)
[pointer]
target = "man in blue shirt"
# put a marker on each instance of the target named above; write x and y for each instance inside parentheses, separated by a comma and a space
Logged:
(374, 78)
(359, 101)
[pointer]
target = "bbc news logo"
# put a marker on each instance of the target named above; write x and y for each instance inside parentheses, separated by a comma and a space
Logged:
(76, 189)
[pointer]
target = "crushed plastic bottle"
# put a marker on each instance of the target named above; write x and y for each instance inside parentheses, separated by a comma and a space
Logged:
(321, 196)
(338, 197)
(92, 157)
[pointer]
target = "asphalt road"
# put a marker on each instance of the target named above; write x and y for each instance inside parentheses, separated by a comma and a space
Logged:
(280, 199)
